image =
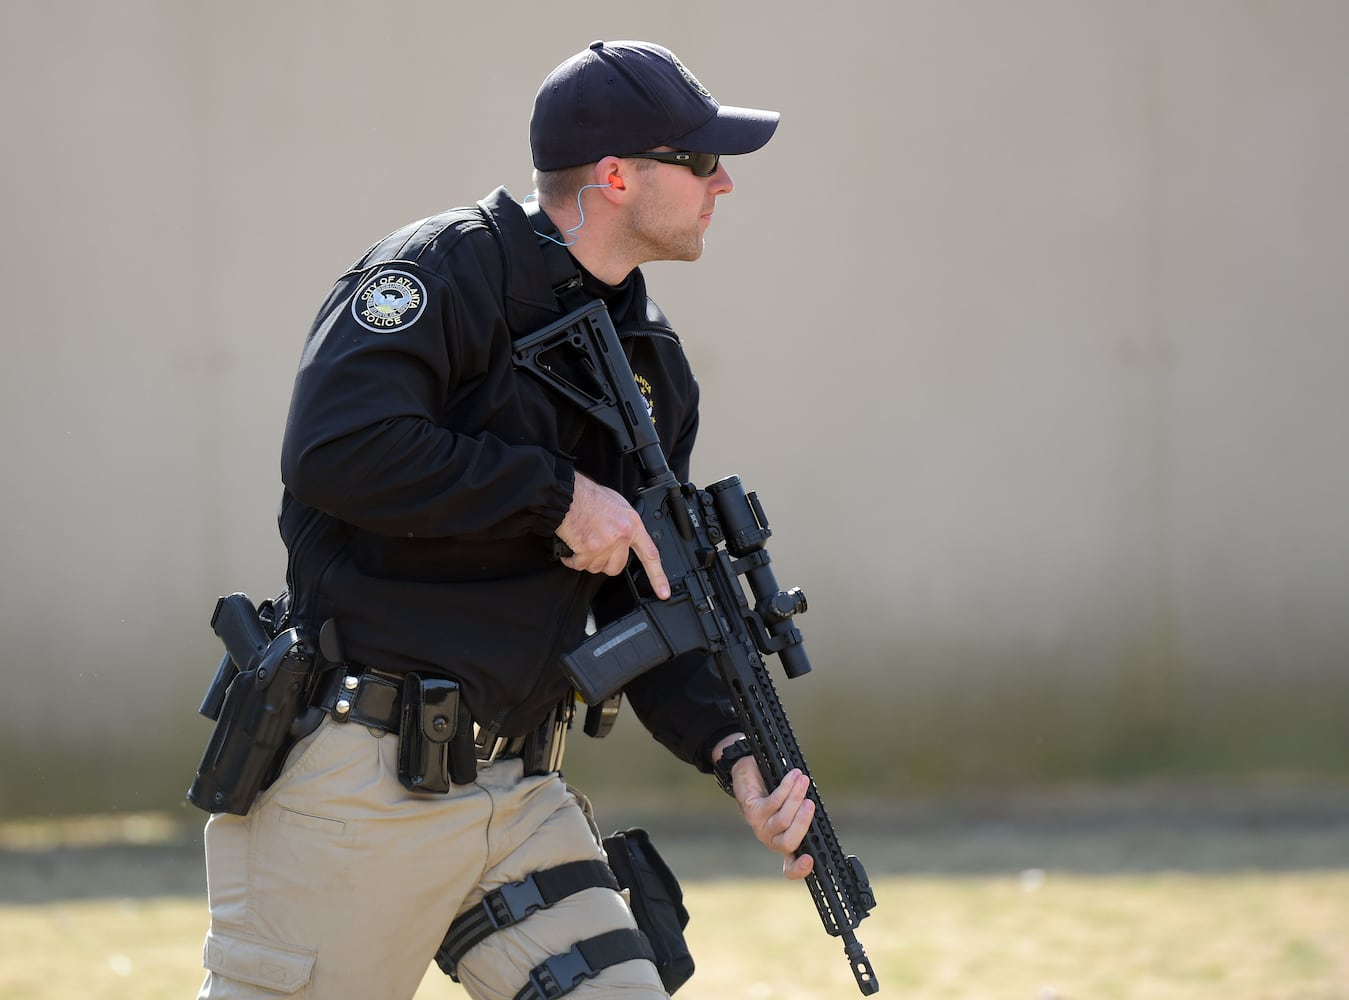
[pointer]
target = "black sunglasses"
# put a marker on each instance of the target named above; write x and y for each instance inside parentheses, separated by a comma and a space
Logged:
(702, 164)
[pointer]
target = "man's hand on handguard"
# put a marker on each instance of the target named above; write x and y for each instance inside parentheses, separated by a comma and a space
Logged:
(779, 819)
(601, 528)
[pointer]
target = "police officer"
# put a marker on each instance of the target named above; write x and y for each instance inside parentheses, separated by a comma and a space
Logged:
(427, 482)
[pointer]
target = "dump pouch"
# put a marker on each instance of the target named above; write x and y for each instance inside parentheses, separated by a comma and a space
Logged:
(657, 902)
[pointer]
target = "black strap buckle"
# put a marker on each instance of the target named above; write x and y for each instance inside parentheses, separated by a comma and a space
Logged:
(557, 976)
(513, 902)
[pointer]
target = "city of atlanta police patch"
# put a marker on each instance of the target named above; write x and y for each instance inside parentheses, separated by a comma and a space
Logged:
(389, 302)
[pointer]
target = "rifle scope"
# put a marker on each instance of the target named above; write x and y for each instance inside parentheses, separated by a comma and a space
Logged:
(745, 528)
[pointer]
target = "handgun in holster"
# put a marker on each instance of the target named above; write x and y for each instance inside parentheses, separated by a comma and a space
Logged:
(257, 693)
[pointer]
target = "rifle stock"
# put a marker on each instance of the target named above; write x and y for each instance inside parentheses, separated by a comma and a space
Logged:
(707, 539)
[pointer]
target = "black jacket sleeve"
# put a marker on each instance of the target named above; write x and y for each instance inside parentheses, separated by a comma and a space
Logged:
(385, 430)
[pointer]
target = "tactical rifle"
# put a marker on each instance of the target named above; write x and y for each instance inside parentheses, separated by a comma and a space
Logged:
(707, 540)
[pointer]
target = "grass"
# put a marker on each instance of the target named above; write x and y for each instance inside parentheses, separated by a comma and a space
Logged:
(980, 907)
(1241, 937)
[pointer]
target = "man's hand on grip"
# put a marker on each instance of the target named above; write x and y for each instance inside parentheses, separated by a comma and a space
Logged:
(601, 528)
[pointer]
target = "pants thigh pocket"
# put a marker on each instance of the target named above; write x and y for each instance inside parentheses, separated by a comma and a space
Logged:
(271, 965)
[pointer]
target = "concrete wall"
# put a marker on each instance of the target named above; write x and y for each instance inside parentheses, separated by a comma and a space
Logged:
(1028, 327)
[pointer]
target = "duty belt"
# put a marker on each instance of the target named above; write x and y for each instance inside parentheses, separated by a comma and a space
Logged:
(374, 698)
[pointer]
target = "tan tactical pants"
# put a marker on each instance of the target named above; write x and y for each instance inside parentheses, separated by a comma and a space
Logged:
(340, 883)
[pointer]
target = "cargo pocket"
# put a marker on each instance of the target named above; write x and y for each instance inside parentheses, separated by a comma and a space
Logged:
(271, 965)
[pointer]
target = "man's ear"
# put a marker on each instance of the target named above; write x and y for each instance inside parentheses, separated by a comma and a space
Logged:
(609, 173)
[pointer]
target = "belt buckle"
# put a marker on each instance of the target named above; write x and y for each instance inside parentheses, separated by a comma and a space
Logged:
(487, 747)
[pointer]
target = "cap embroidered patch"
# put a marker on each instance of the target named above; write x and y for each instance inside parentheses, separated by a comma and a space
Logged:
(693, 80)
(388, 302)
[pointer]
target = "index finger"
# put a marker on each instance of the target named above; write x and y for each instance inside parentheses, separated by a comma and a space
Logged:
(650, 558)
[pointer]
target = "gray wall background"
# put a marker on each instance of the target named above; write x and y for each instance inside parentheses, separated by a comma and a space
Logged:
(1028, 327)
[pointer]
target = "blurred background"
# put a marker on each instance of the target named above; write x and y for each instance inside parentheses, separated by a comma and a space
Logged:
(1028, 327)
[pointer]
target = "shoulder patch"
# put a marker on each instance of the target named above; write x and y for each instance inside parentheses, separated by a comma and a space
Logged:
(648, 397)
(389, 302)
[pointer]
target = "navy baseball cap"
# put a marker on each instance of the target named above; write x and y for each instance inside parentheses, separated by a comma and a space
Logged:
(629, 97)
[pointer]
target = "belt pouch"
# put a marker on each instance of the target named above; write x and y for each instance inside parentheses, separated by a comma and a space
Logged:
(426, 735)
(657, 902)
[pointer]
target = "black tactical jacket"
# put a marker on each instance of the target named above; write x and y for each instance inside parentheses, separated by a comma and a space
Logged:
(425, 476)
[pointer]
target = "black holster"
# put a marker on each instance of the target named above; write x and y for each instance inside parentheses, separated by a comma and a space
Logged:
(258, 691)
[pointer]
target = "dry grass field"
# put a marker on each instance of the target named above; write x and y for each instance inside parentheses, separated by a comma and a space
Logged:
(1238, 909)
